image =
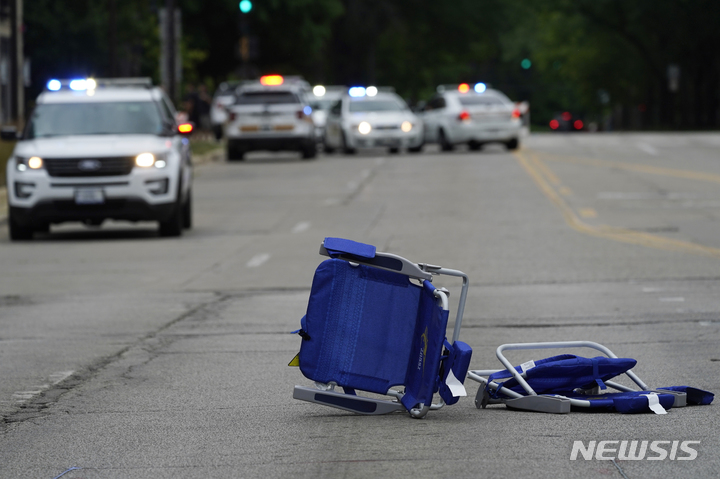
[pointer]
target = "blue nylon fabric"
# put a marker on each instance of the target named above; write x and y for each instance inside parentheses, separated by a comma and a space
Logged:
(623, 402)
(566, 372)
(361, 322)
(695, 396)
(338, 246)
(428, 340)
(458, 361)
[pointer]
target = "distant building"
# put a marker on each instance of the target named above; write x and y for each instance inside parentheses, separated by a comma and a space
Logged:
(12, 65)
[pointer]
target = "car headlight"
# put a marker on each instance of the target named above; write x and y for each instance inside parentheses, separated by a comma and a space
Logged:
(32, 163)
(364, 128)
(406, 126)
(146, 160)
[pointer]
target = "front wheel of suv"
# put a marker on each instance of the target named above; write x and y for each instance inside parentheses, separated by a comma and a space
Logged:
(187, 212)
(17, 231)
(173, 226)
(512, 144)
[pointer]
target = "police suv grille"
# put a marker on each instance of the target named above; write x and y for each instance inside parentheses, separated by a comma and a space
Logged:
(115, 166)
(387, 127)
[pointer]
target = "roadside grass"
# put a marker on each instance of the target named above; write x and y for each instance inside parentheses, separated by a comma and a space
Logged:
(6, 148)
(203, 146)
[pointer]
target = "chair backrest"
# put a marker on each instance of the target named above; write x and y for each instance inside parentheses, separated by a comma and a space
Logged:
(372, 329)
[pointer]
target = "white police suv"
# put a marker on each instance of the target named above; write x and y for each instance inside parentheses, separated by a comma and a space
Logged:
(271, 114)
(100, 149)
(321, 100)
(372, 118)
(474, 115)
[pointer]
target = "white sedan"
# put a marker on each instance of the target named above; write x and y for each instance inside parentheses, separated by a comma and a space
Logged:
(461, 114)
(372, 118)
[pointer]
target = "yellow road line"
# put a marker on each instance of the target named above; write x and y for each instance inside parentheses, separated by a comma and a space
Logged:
(588, 213)
(603, 231)
(653, 170)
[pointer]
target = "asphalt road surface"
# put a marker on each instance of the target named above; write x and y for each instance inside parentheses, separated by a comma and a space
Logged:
(123, 354)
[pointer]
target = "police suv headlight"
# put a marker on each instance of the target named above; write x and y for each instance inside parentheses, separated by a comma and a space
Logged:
(146, 160)
(406, 126)
(364, 128)
(32, 163)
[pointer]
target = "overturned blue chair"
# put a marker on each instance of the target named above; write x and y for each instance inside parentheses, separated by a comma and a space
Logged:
(376, 324)
(559, 384)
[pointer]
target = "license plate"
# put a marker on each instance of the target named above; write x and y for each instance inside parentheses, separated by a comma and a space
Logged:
(89, 196)
(388, 142)
(266, 127)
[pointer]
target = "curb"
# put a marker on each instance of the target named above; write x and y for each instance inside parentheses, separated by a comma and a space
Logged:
(3, 204)
(209, 157)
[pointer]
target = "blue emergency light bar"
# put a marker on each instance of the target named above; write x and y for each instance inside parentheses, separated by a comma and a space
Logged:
(88, 84)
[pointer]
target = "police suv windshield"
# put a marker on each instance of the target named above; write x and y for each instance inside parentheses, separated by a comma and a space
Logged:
(375, 105)
(96, 118)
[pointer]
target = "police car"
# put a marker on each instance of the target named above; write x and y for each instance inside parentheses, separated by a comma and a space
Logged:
(94, 150)
(474, 115)
(321, 100)
(370, 118)
(224, 97)
(271, 114)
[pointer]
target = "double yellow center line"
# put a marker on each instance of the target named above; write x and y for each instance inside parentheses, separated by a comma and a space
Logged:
(553, 189)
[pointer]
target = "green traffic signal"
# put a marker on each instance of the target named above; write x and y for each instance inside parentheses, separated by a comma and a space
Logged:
(246, 6)
(526, 64)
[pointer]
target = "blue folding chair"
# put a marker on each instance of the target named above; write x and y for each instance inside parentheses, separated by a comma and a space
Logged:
(375, 322)
(559, 384)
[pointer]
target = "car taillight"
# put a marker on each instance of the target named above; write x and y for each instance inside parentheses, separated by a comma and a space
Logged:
(300, 114)
(232, 116)
(516, 113)
(554, 124)
(464, 116)
(578, 124)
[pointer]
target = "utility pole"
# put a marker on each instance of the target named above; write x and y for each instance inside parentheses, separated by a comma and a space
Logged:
(170, 48)
(17, 81)
(112, 37)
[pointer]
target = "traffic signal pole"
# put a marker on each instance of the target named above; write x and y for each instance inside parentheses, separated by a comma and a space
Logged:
(170, 48)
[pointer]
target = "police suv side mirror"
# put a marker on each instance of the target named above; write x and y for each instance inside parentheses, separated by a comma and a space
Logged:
(8, 133)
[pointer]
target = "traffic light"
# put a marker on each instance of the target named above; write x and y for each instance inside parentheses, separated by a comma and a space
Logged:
(526, 64)
(245, 6)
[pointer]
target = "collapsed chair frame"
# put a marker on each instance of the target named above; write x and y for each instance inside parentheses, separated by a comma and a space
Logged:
(550, 403)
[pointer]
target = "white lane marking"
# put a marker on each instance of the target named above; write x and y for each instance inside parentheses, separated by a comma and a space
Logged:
(257, 260)
(302, 226)
(649, 149)
(55, 378)
(678, 299)
(332, 201)
(352, 185)
(652, 290)
(365, 174)
(60, 376)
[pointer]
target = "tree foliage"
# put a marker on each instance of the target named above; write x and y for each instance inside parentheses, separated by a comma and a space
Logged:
(603, 58)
